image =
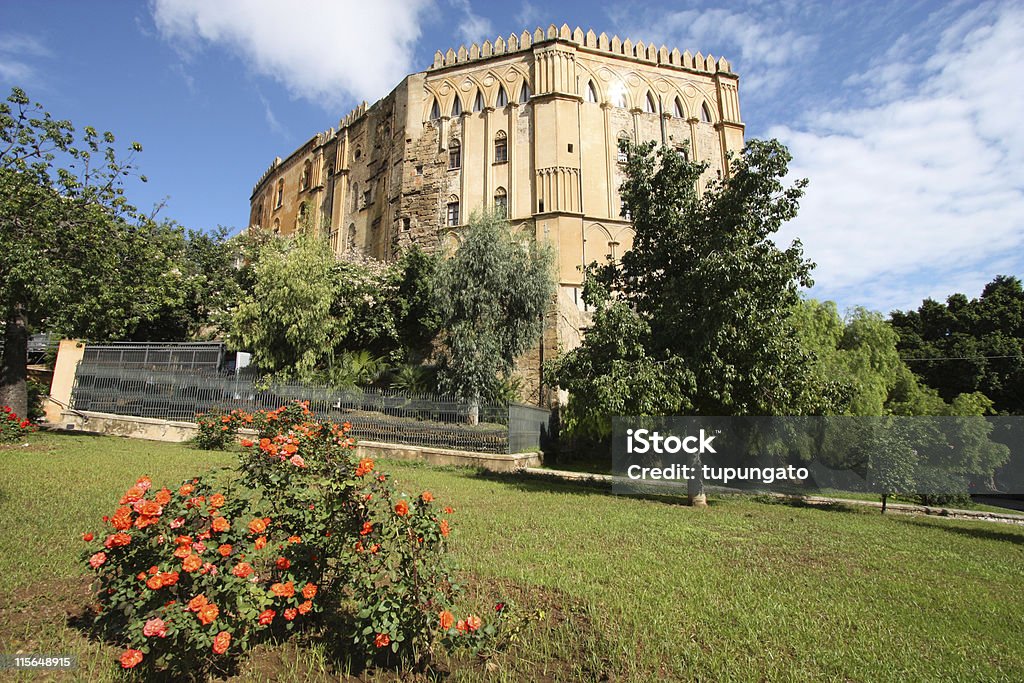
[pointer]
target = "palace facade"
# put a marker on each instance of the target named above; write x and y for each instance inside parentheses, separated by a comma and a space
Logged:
(531, 124)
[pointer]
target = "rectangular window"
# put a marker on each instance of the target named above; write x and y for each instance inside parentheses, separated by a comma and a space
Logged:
(454, 157)
(500, 151)
(453, 214)
(501, 204)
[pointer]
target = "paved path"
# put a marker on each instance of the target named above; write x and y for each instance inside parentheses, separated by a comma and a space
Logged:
(902, 508)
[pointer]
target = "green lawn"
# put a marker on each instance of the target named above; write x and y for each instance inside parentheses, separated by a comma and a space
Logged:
(630, 589)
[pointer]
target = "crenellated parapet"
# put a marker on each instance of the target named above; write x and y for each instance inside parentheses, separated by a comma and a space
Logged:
(266, 174)
(589, 41)
(353, 116)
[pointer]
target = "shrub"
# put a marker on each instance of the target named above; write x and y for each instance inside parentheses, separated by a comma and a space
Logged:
(218, 429)
(12, 427)
(190, 579)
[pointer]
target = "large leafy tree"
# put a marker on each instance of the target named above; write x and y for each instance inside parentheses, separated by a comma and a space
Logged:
(74, 257)
(711, 293)
(970, 345)
(491, 297)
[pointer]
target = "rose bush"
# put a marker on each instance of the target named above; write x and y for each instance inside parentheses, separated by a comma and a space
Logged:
(13, 427)
(218, 429)
(189, 579)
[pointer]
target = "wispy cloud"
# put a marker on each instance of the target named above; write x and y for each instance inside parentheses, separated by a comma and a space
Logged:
(324, 51)
(919, 190)
(761, 42)
(528, 16)
(473, 28)
(18, 51)
(272, 121)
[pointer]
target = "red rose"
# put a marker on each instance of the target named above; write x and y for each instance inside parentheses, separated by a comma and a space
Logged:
(267, 617)
(382, 640)
(221, 642)
(130, 658)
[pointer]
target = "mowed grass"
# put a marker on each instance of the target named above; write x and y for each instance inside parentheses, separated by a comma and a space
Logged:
(630, 590)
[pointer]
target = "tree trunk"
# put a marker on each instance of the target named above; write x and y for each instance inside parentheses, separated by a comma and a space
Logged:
(885, 500)
(473, 415)
(14, 364)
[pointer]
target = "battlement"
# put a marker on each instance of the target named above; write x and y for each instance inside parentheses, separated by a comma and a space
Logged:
(588, 40)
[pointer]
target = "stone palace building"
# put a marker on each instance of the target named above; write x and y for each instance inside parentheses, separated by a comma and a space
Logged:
(531, 124)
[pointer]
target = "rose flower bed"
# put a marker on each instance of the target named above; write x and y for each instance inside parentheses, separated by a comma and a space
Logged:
(188, 579)
(12, 427)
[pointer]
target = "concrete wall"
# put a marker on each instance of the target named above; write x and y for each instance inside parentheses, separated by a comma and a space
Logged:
(168, 430)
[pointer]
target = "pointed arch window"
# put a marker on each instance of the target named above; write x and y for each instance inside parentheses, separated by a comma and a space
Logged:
(705, 113)
(454, 155)
(277, 226)
(279, 198)
(591, 92)
(524, 93)
(258, 218)
(677, 109)
(456, 107)
(650, 106)
(478, 102)
(501, 202)
(304, 178)
(502, 96)
(435, 111)
(621, 101)
(350, 238)
(500, 147)
(452, 218)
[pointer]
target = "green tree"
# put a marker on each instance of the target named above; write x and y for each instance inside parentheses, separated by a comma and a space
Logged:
(711, 293)
(491, 297)
(970, 345)
(74, 256)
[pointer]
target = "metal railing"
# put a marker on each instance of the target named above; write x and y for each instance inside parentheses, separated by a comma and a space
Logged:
(375, 414)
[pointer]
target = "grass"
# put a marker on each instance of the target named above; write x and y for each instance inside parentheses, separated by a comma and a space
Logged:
(630, 590)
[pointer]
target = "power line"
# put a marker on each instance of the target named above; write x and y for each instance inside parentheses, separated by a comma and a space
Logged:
(913, 360)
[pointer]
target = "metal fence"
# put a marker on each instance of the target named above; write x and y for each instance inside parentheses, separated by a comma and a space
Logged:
(169, 356)
(376, 414)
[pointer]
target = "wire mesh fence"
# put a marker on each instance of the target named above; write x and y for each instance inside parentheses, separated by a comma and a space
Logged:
(375, 414)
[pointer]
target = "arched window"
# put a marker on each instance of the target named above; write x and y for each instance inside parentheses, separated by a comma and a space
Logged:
(705, 113)
(623, 143)
(621, 101)
(355, 196)
(456, 107)
(277, 226)
(524, 93)
(452, 217)
(500, 147)
(649, 105)
(591, 92)
(307, 171)
(454, 155)
(279, 199)
(677, 109)
(502, 96)
(435, 111)
(478, 102)
(258, 217)
(302, 217)
(501, 202)
(350, 239)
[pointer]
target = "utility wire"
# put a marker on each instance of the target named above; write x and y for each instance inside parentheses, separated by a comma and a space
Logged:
(918, 360)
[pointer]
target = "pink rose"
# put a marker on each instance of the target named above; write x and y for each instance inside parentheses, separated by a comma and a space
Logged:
(98, 559)
(178, 523)
(297, 460)
(155, 627)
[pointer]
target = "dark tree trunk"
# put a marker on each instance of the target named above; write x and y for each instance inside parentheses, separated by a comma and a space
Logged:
(885, 500)
(13, 366)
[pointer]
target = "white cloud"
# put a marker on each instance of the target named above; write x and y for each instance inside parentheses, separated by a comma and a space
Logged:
(919, 190)
(764, 45)
(17, 51)
(472, 27)
(529, 16)
(322, 50)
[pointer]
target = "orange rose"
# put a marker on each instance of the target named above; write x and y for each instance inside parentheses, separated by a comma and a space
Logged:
(197, 603)
(401, 508)
(367, 529)
(169, 578)
(473, 622)
(290, 613)
(242, 570)
(283, 590)
(216, 500)
(382, 640)
(283, 563)
(309, 591)
(117, 540)
(447, 619)
(131, 495)
(222, 642)
(122, 519)
(154, 583)
(427, 497)
(246, 443)
(183, 551)
(130, 658)
(151, 508)
(224, 549)
(257, 526)
(365, 467)
(185, 490)
(444, 527)
(146, 520)
(163, 496)
(260, 543)
(191, 563)
(207, 614)
(267, 617)
(221, 524)
(294, 539)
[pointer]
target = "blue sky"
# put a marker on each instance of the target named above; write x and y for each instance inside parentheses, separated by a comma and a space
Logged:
(905, 116)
